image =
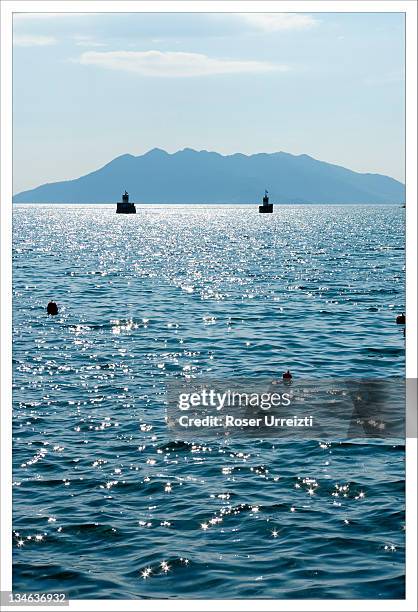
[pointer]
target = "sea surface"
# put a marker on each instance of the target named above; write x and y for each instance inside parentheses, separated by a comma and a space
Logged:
(107, 504)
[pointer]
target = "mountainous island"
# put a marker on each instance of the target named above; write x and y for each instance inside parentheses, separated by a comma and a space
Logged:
(203, 177)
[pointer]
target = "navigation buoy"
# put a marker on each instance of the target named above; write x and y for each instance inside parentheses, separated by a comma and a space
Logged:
(126, 207)
(400, 319)
(287, 375)
(52, 308)
(266, 206)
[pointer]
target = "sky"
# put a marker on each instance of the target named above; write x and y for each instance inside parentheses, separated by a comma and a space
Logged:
(90, 87)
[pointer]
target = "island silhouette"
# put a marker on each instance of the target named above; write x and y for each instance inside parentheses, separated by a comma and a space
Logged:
(203, 177)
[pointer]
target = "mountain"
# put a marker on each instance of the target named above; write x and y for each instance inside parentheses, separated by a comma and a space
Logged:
(203, 177)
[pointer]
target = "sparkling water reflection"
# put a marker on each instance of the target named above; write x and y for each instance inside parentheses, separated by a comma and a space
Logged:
(105, 503)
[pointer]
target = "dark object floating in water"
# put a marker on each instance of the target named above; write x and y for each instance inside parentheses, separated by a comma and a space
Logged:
(126, 207)
(287, 375)
(52, 308)
(400, 319)
(266, 207)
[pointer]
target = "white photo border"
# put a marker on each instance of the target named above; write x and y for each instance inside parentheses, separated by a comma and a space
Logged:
(8, 7)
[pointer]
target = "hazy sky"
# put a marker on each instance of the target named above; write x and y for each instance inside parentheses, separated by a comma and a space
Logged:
(90, 87)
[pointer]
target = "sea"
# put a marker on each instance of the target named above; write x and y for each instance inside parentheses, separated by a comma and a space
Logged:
(107, 502)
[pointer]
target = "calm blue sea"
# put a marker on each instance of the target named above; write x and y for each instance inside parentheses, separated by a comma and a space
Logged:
(106, 503)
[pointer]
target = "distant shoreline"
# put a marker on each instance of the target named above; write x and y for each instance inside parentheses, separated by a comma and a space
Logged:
(187, 176)
(229, 205)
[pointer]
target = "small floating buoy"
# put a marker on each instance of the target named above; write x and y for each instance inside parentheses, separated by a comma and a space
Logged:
(400, 319)
(287, 375)
(52, 308)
